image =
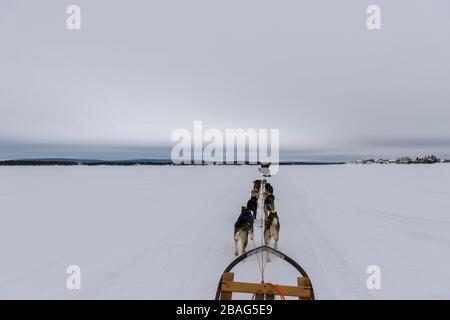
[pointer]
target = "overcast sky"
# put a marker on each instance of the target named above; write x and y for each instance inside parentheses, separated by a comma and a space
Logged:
(137, 70)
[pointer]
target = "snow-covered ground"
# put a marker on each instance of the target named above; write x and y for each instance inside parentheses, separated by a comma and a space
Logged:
(166, 232)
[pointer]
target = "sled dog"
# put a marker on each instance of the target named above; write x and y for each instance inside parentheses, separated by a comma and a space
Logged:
(255, 193)
(269, 205)
(268, 188)
(243, 228)
(272, 229)
(257, 185)
(252, 204)
(263, 183)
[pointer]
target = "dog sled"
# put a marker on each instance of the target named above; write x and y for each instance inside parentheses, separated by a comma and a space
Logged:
(265, 170)
(264, 290)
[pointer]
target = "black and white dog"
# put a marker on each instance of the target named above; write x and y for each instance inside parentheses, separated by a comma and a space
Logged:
(268, 187)
(257, 185)
(272, 229)
(252, 205)
(243, 228)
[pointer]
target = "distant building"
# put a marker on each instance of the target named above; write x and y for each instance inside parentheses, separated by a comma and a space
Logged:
(428, 160)
(404, 160)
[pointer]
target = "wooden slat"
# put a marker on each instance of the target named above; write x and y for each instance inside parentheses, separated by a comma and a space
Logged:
(227, 276)
(305, 284)
(264, 288)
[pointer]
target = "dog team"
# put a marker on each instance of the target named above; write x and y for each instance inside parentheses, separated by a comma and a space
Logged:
(243, 228)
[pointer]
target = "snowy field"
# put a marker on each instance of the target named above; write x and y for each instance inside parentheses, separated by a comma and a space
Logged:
(166, 232)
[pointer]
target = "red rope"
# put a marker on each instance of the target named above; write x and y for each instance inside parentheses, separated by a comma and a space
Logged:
(265, 262)
(277, 289)
(261, 269)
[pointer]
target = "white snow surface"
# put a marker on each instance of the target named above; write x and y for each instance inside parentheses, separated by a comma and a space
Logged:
(151, 232)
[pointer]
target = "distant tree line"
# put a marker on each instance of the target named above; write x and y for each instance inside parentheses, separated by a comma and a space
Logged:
(77, 163)
(69, 162)
(37, 163)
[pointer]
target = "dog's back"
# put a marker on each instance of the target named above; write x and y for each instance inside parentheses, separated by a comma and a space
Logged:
(272, 229)
(263, 183)
(270, 198)
(257, 185)
(269, 203)
(242, 228)
(272, 220)
(252, 204)
(244, 221)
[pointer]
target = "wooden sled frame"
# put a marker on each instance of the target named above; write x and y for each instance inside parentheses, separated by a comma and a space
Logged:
(227, 285)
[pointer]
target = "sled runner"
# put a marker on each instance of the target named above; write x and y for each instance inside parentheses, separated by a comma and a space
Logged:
(264, 291)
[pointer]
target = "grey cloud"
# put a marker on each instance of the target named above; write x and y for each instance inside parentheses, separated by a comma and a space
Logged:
(139, 69)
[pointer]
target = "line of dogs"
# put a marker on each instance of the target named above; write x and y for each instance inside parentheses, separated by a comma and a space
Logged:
(243, 228)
